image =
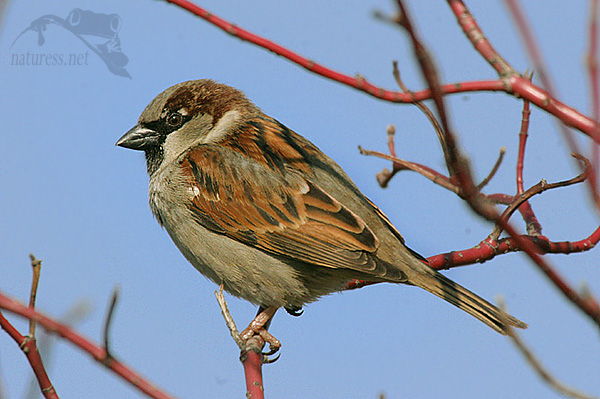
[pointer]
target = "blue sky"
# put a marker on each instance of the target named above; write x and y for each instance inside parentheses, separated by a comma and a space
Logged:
(71, 197)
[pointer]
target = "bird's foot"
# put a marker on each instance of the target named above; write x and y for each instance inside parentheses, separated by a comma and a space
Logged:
(257, 331)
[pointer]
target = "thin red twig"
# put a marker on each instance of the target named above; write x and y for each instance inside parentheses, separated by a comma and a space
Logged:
(36, 266)
(401, 164)
(523, 134)
(29, 347)
(98, 353)
(539, 188)
(480, 42)
(531, 221)
(493, 171)
(384, 177)
(488, 249)
(592, 64)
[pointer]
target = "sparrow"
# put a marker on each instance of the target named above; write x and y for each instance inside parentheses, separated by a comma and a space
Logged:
(260, 210)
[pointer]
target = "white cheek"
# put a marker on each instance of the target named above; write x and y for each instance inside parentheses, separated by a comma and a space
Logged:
(223, 128)
(181, 140)
(173, 146)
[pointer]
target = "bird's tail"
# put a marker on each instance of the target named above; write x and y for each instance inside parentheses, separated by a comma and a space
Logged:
(462, 298)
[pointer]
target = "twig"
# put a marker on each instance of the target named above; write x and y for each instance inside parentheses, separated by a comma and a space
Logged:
(533, 361)
(45, 343)
(492, 173)
(430, 74)
(422, 107)
(523, 135)
(592, 64)
(456, 162)
(391, 132)
(29, 348)
(388, 19)
(384, 177)
(401, 164)
(36, 265)
(98, 353)
(534, 190)
(480, 42)
(114, 297)
(531, 222)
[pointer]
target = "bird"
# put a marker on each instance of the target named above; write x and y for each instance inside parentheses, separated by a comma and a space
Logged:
(261, 211)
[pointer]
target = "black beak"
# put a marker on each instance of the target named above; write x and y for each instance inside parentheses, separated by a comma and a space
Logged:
(138, 138)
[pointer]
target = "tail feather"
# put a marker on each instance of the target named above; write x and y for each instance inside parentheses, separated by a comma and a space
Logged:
(462, 298)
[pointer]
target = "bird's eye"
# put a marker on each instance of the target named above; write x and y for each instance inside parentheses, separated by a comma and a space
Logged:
(174, 119)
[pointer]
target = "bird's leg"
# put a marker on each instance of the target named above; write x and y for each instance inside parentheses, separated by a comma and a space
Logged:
(259, 326)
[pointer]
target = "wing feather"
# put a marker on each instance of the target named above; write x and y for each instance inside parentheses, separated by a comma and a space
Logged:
(275, 209)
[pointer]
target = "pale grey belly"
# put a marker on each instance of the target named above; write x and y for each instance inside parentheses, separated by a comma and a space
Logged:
(247, 272)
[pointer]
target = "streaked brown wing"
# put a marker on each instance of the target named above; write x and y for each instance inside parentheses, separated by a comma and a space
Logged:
(276, 210)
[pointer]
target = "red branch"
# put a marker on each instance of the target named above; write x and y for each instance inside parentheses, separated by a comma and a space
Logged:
(98, 353)
(477, 38)
(252, 360)
(515, 85)
(592, 64)
(29, 347)
(488, 249)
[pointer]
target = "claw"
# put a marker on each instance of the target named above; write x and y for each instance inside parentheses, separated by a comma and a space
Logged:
(294, 310)
(266, 360)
